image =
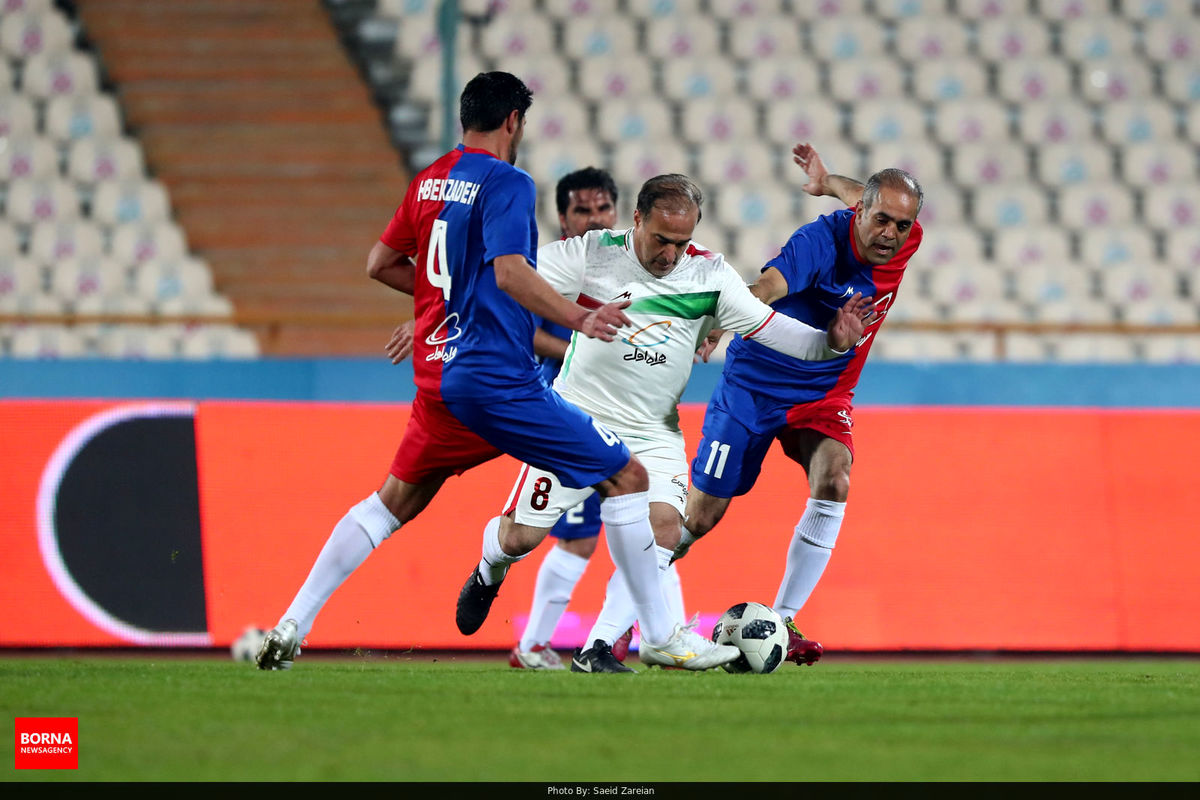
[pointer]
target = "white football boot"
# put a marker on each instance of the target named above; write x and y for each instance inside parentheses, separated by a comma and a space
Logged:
(687, 649)
(280, 646)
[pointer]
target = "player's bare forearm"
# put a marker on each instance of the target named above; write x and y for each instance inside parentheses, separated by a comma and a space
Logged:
(547, 345)
(515, 276)
(391, 268)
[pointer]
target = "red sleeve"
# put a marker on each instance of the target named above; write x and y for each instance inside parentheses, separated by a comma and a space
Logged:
(401, 231)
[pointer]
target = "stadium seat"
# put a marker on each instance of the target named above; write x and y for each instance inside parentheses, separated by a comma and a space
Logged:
(625, 118)
(1128, 285)
(939, 80)
(51, 242)
(921, 37)
(1171, 349)
(918, 346)
(1135, 121)
(11, 243)
(564, 119)
(1175, 38)
(1063, 10)
(982, 163)
(425, 78)
(1033, 80)
(818, 120)
(26, 35)
(18, 116)
(516, 34)
(1161, 309)
(76, 278)
(1064, 163)
(547, 75)
(944, 205)
(164, 280)
(218, 341)
(136, 200)
(548, 161)
(1043, 284)
(1024, 348)
(754, 247)
(762, 37)
(920, 158)
(71, 117)
(1007, 205)
(593, 36)
(93, 159)
(1016, 37)
(745, 206)
(961, 122)
(636, 161)
(138, 342)
(946, 246)
(1043, 245)
(20, 275)
(1181, 81)
(1181, 247)
(697, 77)
(1118, 246)
(712, 119)
(1172, 207)
(888, 120)
(787, 80)
(28, 158)
(1192, 124)
(966, 290)
(869, 78)
(1145, 10)
(136, 242)
(1082, 206)
(62, 73)
(30, 201)
(1096, 37)
(1160, 162)
(829, 9)
(682, 36)
(722, 164)
(1115, 80)
(1053, 121)
(1095, 347)
(608, 79)
(846, 37)
(47, 342)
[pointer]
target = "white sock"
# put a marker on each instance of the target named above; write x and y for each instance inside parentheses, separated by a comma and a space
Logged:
(364, 528)
(618, 613)
(631, 545)
(556, 579)
(811, 547)
(495, 562)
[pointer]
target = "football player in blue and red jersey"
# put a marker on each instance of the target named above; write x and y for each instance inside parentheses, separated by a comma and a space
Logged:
(464, 243)
(764, 396)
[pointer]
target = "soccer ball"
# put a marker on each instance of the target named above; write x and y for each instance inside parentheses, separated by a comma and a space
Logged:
(245, 647)
(758, 632)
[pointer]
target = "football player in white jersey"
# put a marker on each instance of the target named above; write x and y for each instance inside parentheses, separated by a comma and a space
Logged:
(677, 291)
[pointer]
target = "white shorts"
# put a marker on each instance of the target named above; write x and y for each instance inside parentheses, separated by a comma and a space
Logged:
(538, 499)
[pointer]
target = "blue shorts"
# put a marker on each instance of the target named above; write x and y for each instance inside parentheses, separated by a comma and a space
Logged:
(549, 433)
(739, 426)
(581, 522)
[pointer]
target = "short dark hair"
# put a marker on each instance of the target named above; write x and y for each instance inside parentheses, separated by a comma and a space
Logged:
(586, 178)
(669, 190)
(489, 98)
(894, 179)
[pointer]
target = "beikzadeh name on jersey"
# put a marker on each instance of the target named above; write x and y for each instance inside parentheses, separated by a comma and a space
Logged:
(636, 380)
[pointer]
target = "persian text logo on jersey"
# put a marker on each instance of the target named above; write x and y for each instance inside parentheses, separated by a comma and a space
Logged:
(446, 331)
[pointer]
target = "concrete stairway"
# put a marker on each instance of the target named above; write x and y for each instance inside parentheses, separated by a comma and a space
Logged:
(277, 161)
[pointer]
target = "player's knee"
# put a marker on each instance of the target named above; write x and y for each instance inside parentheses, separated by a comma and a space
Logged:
(632, 478)
(833, 485)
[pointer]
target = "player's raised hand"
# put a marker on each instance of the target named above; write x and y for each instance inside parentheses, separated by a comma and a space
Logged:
(400, 346)
(603, 323)
(810, 161)
(850, 322)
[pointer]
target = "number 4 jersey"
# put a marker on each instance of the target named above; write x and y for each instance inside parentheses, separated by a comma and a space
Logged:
(459, 214)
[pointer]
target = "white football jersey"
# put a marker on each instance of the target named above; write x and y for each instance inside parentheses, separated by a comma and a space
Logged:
(635, 381)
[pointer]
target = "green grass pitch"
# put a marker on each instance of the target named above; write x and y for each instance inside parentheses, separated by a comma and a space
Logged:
(464, 718)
